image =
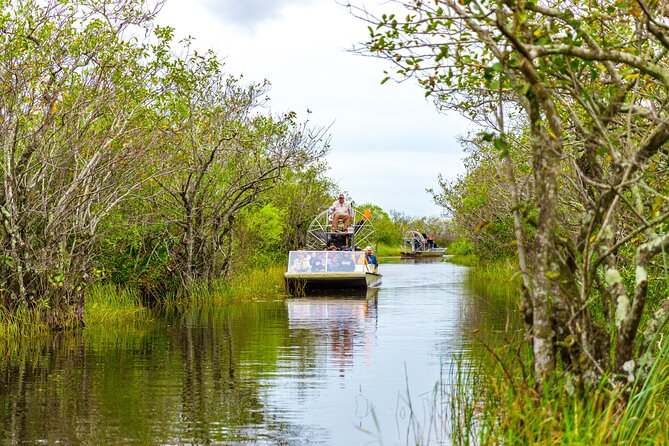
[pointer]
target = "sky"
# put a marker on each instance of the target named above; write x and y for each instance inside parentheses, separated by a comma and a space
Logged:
(388, 142)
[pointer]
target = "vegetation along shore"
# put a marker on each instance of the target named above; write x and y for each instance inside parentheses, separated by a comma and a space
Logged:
(137, 174)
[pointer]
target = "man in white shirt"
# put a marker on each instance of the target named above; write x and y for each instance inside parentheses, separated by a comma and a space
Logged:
(341, 210)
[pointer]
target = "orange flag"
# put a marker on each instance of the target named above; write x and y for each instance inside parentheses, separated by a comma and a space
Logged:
(367, 214)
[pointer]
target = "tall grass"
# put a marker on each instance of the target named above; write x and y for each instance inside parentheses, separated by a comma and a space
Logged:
(388, 251)
(21, 327)
(250, 284)
(494, 401)
(464, 259)
(490, 406)
(106, 302)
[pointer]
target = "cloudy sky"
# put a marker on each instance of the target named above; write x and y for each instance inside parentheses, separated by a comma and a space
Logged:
(388, 143)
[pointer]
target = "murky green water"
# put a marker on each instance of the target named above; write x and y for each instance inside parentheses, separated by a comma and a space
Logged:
(333, 371)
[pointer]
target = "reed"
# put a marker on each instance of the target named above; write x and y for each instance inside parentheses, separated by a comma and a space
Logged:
(388, 251)
(107, 302)
(501, 413)
(19, 328)
(463, 259)
(251, 284)
(494, 402)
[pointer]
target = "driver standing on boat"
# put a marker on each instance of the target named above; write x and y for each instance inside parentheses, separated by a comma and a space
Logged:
(341, 210)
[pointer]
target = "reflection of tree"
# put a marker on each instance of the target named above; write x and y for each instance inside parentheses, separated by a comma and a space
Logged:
(209, 364)
(486, 317)
(189, 378)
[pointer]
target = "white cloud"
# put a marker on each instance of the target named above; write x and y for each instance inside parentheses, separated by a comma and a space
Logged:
(248, 13)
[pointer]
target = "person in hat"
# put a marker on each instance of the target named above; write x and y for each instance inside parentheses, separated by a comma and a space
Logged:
(370, 258)
(341, 210)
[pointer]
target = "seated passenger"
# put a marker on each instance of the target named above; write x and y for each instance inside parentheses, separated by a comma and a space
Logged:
(347, 263)
(370, 258)
(302, 263)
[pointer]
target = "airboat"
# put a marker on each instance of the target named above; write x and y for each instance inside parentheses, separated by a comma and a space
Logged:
(416, 245)
(333, 259)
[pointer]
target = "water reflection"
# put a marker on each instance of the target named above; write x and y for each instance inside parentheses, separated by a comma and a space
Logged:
(338, 322)
(329, 370)
(420, 260)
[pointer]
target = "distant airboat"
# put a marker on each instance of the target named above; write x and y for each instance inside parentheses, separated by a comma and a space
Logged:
(416, 245)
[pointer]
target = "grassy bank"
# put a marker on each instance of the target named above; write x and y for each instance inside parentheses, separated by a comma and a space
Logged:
(494, 401)
(501, 273)
(251, 284)
(505, 410)
(388, 251)
(109, 304)
(106, 302)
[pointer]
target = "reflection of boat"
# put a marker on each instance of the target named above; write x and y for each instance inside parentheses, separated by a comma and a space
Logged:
(314, 271)
(342, 324)
(416, 245)
(343, 268)
(325, 309)
(420, 259)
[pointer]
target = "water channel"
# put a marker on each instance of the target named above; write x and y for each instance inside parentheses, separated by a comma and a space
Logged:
(353, 370)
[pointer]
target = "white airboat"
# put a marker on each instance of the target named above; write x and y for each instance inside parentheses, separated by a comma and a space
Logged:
(416, 245)
(333, 259)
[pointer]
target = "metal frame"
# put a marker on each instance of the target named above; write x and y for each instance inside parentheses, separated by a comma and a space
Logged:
(320, 232)
(408, 242)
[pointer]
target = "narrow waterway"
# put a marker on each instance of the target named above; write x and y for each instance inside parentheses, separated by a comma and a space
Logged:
(353, 370)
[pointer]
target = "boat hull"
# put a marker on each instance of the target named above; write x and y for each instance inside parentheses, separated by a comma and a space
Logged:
(301, 284)
(435, 252)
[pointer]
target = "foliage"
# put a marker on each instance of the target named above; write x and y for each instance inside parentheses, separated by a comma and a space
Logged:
(124, 161)
(260, 234)
(461, 247)
(503, 411)
(135, 256)
(479, 203)
(588, 104)
(387, 231)
(224, 154)
(75, 134)
(302, 195)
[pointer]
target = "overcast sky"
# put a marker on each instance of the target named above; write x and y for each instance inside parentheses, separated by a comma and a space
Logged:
(388, 143)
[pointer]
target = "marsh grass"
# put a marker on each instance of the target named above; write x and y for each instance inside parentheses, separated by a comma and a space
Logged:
(463, 259)
(20, 329)
(487, 408)
(250, 284)
(107, 303)
(493, 399)
(494, 402)
(388, 251)
(111, 311)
